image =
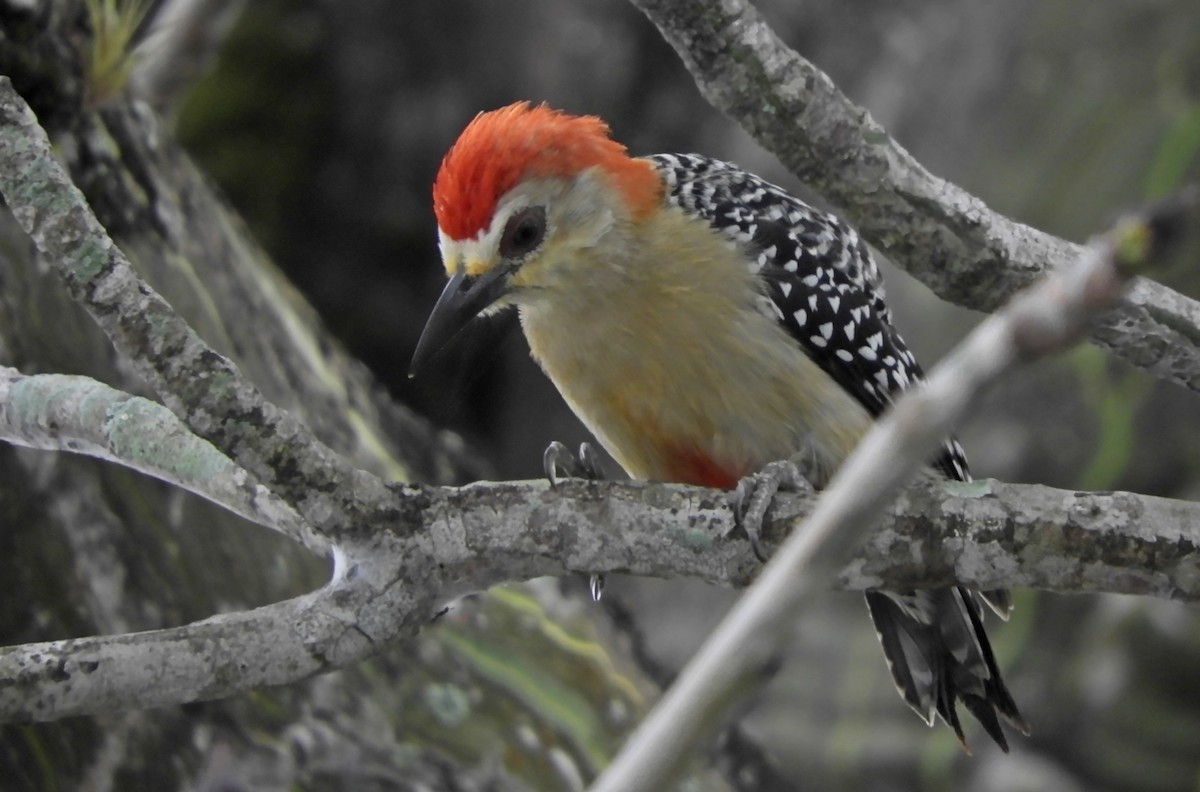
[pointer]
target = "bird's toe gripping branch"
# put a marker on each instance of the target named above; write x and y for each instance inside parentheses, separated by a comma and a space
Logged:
(755, 492)
(586, 465)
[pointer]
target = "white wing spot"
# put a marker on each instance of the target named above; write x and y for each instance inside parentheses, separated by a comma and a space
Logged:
(801, 317)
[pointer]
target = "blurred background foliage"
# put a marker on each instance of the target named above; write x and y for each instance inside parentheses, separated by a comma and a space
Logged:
(324, 122)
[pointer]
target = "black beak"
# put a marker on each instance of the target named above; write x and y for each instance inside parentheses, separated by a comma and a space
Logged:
(461, 301)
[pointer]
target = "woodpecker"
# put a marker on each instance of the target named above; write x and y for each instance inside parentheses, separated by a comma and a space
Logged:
(702, 323)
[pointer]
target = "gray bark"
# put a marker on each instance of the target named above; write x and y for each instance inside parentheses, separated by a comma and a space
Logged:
(94, 549)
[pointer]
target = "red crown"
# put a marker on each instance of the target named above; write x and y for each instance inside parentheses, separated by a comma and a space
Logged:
(501, 148)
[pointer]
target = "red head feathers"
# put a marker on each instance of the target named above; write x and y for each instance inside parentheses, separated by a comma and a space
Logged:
(501, 148)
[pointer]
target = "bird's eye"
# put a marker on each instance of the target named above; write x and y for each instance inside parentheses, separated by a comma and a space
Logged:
(524, 232)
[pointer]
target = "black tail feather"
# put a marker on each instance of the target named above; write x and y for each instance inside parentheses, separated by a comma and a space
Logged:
(903, 655)
(939, 654)
(997, 692)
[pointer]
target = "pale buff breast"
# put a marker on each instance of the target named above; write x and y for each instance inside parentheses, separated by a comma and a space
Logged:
(669, 361)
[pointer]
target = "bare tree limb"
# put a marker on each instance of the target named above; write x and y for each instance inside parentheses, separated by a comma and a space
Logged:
(446, 541)
(282, 642)
(948, 239)
(1041, 321)
(63, 413)
(201, 386)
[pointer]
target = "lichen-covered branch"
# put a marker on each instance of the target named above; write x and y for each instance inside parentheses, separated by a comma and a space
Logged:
(64, 413)
(283, 642)
(203, 387)
(948, 239)
(984, 534)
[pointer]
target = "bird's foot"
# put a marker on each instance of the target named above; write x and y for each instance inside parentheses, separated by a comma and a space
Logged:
(586, 465)
(755, 492)
(558, 457)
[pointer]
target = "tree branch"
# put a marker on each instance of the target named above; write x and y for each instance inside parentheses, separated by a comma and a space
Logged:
(204, 388)
(451, 540)
(63, 413)
(283, 642)
(946, 238)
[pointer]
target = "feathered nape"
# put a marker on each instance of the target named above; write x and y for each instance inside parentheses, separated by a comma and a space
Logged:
(501, 148)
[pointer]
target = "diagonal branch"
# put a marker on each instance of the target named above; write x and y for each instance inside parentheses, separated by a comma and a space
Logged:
(64, 413)
(201, 386)
(948, 239)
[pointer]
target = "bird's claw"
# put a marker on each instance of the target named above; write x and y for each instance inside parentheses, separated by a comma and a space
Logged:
(755, 492)
(586, 465)
(596, 586)
(558, 457)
